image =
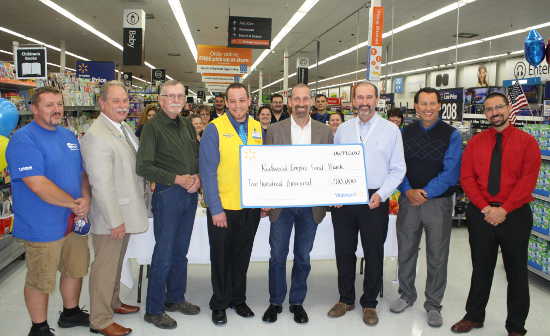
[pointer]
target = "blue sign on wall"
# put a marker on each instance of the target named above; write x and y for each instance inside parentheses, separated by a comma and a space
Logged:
(105, 71)
(398, 86)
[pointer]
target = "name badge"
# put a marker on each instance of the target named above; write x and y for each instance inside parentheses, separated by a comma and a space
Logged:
(227, 135)
(256, 135)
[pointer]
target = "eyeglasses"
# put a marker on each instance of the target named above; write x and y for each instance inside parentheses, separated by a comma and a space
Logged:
(497, 107)
(173, 96)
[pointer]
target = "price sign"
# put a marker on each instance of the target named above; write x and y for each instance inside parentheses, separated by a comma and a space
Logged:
(452, 104)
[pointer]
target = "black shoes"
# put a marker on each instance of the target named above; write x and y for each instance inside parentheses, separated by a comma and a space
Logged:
(44, 330)
(219, 317)
(300, 315)
(79, 318)
(270, 314)
(243, 310)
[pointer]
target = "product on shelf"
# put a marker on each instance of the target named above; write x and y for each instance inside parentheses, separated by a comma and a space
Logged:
(541, 216)
(543, 182)
(76, 91)
(541, 132)
(7, 70)
(539, 254)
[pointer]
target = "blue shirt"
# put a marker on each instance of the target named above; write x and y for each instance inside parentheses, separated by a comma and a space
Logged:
(448, 177)
(209, 159)
(36, 151)
(384, 156)
(321, 117)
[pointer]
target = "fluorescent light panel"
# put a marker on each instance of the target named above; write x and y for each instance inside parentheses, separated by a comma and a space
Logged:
(178, 12)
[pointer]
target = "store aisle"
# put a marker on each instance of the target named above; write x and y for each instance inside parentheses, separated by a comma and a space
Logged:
(322, 294)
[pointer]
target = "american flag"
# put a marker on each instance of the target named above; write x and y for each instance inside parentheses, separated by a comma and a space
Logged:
(517, 99)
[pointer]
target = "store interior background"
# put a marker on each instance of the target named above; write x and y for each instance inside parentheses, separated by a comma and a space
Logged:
(423, 45)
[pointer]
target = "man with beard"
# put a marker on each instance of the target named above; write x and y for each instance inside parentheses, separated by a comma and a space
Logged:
(277, 108)
(299, 129)
(385, 168)
(49, 184)
(499, 171)
(168, 156)
(118, 205)
(231, 229)
(219, 107)
(432, 154)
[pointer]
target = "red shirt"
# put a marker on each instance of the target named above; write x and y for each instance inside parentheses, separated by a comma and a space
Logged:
(519, 169)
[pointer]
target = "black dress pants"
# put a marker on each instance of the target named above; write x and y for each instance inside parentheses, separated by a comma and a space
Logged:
(372, 225)
(512, 236)
(230, 251)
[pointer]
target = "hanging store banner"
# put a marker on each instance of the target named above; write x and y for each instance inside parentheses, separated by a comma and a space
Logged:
(158, 75)
(223, 60)
(133, 24)
(452, 104)
(249, 32)
(302, 68)
(104, 71)
(221, 78)
(31, 63)
(127, 78)
(374, 57)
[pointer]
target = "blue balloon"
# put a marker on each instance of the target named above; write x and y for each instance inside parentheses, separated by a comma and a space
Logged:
(9, 116)
(534, 48)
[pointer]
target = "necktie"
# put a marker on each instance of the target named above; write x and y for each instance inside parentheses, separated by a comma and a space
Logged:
(127, 137)
(494, 169)
(242, 134)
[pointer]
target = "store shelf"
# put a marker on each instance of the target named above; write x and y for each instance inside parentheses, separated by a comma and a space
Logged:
(540, 195)
(539, 234)
(520, 118)
(80, 108)
(539, 273)
(16, 84)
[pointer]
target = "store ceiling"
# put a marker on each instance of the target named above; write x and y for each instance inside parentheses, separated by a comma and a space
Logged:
(208, 23)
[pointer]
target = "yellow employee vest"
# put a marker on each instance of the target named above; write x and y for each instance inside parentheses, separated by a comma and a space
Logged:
(229, 168)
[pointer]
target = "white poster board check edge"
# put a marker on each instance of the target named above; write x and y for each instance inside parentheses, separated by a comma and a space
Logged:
(362, 148)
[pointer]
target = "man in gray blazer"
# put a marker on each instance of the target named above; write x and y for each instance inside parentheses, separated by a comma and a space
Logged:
(299, 129)
(118, 205)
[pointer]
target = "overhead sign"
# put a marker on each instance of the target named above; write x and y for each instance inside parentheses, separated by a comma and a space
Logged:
(104, 71)
(374, 57)
(249, 32)
(133, 24)
(127, 78)
(452, 104)
(302, 68)
(158, 75)
(220, 59)
(217, 87)
(398, 84)
(520, 69)
(200, 94)
(287, 176)
(221, 78)
(31, 62)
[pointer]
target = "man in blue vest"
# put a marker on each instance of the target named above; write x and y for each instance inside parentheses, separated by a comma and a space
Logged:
(432, 154)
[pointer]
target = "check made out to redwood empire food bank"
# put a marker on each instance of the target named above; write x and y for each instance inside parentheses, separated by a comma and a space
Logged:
(278, 176)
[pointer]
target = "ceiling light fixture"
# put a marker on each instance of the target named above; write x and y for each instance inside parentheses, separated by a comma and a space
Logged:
(297, 17)
(177, 10)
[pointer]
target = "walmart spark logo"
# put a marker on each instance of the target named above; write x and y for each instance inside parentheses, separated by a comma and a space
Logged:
(82, 68)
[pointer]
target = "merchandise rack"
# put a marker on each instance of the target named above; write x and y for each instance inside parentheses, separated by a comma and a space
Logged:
(544, 196)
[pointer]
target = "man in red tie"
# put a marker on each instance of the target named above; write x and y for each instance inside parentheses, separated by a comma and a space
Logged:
(499, 171)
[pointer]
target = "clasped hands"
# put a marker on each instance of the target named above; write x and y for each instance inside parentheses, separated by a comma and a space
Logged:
(494, 215)
(191, 183)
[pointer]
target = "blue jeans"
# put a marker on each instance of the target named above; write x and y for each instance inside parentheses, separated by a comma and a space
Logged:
(174, 215)
(279, 238)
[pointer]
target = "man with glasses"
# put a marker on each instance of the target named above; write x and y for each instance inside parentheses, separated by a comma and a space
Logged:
(432, 154)
(499, 172)
(277, 108)
(168, 156)
(231, 229)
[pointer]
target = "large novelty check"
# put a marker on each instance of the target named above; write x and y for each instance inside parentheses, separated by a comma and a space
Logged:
(279, 176)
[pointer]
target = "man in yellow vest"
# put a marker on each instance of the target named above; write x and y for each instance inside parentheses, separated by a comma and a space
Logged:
(231, 229)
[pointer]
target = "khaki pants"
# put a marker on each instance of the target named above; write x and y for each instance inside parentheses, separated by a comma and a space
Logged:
(105, 279)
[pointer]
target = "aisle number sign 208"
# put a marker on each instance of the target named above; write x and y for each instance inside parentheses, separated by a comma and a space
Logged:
(452, 104)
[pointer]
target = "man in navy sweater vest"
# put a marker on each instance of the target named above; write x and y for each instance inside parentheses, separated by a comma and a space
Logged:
(432, 154)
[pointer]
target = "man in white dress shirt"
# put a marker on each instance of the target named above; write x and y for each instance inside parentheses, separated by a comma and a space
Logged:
(385, 165)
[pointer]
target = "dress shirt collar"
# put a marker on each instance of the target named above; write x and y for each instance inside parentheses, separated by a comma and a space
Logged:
(295, 124)
(115, 124)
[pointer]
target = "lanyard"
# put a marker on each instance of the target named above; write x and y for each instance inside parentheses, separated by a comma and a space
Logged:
(371, 128)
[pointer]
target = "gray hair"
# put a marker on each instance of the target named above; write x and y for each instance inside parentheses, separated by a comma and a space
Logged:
(110, 84)
(172, 82)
